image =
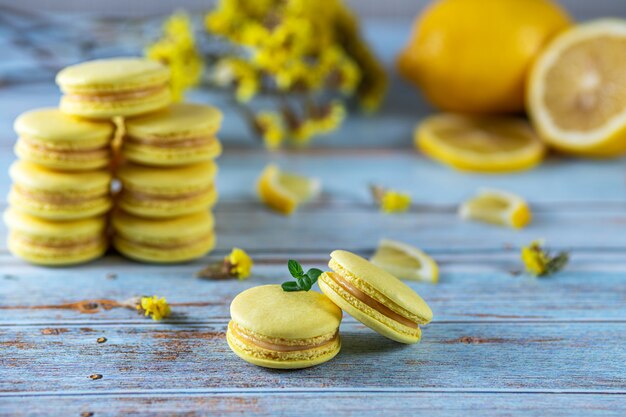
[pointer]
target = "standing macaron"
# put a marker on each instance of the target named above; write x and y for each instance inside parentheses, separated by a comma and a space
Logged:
(167, 192)
(375, 297)
(106, 88)
(183, 133)
(55, 243)
(59, 195)
(170, 240)
(55, 140)
(285, 330)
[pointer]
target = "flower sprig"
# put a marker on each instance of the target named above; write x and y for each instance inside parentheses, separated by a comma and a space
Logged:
(237, 264)
(390, 201)
(154, 307)
(303, 282)
(539, 262)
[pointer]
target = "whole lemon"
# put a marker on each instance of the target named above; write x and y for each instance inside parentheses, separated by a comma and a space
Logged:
(472, 56)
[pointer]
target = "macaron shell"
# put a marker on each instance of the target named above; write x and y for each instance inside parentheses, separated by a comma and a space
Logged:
(59, 211)
(46, 256)
(68, 161)
(348, 264)
(165, 208)
(315, 359)
(62, 130)
(112, 74)
(144, 253)
(163, 156)
(39, 228)
(181, 229)
(272, 312)
(181, 120)
(368, 316)
(120, 108)
(165, 180)
(36, 177)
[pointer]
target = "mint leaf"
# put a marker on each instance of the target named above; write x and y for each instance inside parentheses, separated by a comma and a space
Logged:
(314, 274)
(290, 286)
(295, 269)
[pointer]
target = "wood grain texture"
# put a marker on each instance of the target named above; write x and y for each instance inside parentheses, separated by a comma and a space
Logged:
(312, 404)
(501, 344)
(460, 356)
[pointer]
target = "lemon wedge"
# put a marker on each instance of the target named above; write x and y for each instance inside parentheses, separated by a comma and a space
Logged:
(285, 191)
(576, 95)
(497, 207)
(480, 144)
(405, 261)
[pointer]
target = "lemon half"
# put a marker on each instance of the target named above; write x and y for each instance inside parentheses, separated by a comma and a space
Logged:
(576, 95)
(405, 261)
(285, 191)
(497, 207)
(480, 144)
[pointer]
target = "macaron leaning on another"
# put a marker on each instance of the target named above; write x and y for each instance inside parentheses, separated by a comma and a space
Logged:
(285, 330)
(168, 240)
(106, 88)
(55, 140)
(167, 192)
(55, 243)
(375, 297)
(183, 133)
(59, 195)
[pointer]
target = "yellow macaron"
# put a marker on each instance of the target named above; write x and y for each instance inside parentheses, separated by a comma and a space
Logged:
(183, 133)
(167, 192)
(170, 240)
(286, 330)
(59, 195)
(375, 297)
(53, 139)
(106, 88)
(55, 243)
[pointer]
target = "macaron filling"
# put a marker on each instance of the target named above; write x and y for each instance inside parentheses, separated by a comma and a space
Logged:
(147, 196)
(161, 143)
(164, 245)
(76, 197)
(279, 345)
(117, 95)
(369, 301)
(100, 151)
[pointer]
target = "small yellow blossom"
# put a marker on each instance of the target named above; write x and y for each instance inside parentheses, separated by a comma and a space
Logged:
(240, 263)
(395, 202)
(239, 73)
(270, 127)
(155, 307)
(538, 261)
(177, 50)
(331, 118)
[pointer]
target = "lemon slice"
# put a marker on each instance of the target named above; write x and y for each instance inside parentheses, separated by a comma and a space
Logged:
(284, 191)
(405, 261)
(497, 207)
(481, 144)
(576, 94)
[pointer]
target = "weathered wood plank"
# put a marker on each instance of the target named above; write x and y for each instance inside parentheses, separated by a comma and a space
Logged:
(314, 404)
(481, 289)
(520, 357)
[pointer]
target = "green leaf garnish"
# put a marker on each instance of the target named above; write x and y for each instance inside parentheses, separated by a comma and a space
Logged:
(303, 282)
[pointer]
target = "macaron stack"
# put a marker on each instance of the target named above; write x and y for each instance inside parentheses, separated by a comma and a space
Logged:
(274, 328)
(61, 197)
(168, 184)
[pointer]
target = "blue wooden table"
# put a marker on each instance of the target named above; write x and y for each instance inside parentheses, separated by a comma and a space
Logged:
(501, 343)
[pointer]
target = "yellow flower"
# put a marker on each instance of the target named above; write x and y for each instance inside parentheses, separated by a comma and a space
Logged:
(240, 263)
(538, 261)
(270, 127)
(394, 201)
(155, 307)
(331, 118)
(240, 73)
(177, 50)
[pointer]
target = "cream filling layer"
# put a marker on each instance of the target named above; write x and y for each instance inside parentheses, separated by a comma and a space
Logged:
(57, 199)
(366, 299)
(237, 332)
(164, 143)
(116, 96)
(143, 196)
(101, 151)
(164, 246)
